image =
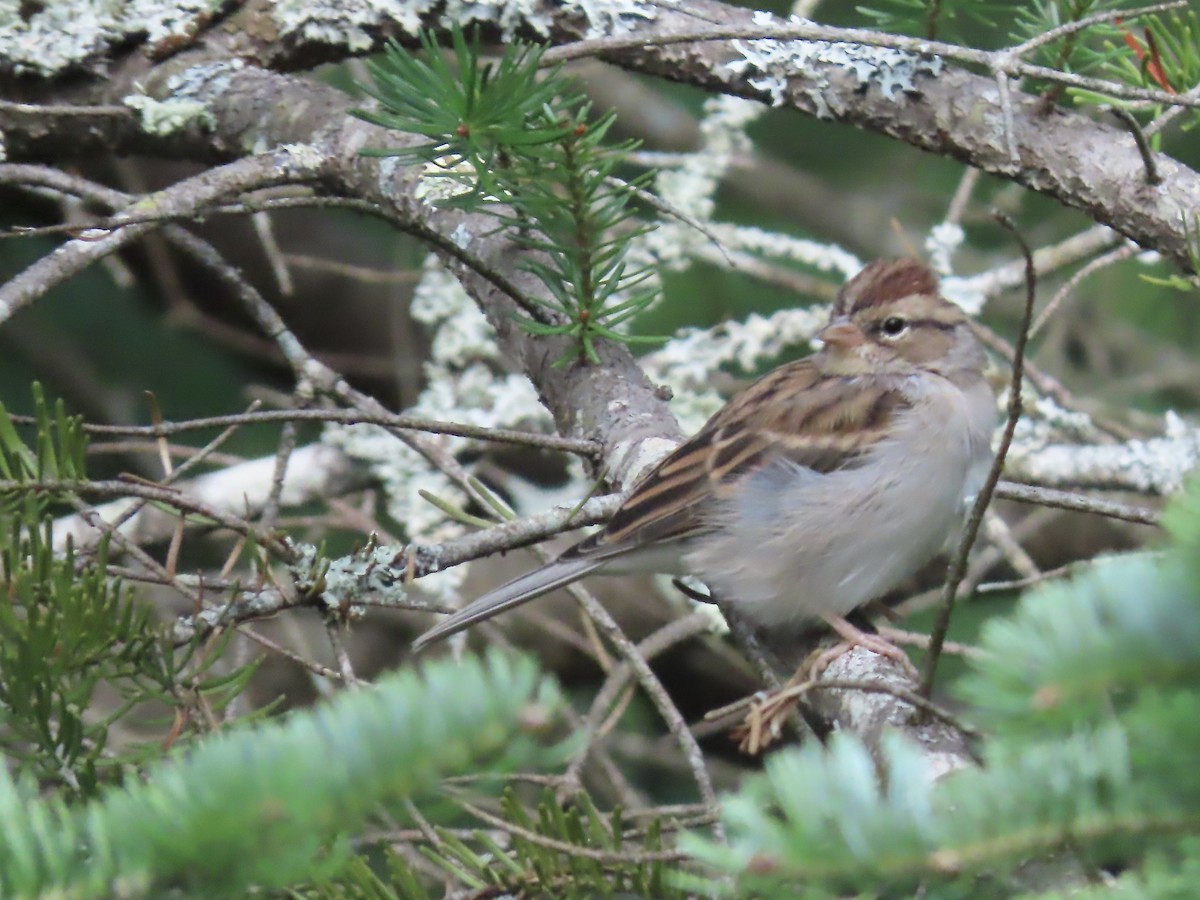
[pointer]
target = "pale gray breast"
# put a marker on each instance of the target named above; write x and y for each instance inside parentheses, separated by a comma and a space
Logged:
(795, 543)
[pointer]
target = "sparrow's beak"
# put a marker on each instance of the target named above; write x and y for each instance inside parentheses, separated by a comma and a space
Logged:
(841, 334)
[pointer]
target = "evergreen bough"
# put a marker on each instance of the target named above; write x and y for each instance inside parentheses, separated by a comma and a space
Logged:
(274, 805)
(517, 141)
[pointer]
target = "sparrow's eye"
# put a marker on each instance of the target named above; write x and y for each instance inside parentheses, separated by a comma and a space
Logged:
(893, 326)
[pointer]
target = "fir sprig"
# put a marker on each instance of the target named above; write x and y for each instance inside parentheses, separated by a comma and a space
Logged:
(252, 809)
(67, 628)
(517, 142)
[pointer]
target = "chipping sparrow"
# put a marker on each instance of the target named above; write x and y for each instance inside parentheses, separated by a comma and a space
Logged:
(822, 485)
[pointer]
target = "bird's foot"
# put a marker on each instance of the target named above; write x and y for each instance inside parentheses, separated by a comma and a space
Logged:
(852, 637)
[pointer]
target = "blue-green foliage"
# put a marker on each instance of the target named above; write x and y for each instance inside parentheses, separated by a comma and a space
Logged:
(273, 805)
(1090, 697)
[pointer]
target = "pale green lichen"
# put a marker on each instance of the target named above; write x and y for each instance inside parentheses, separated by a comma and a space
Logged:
(68, 34)
(773, 66)
(164, 117)
(346, 23)
(186, 102)
(353, 24)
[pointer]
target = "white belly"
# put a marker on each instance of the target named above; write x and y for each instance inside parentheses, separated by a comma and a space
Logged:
(795, 543)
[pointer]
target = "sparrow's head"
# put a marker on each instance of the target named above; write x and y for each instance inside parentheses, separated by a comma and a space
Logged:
(890, 318)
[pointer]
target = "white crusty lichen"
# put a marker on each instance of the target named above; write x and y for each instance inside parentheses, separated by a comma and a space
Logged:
(444, 178)
(1158, 465)
(613, 18)
(816, 254)
(941, 243)
(164, 117)
(351, 23)
(186, 102)
(66, 34)
(203, 81)
(369, 572)
(969, 293)
(346, 23)
(771, 65)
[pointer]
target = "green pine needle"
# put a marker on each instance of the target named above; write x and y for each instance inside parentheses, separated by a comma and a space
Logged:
(519, 141)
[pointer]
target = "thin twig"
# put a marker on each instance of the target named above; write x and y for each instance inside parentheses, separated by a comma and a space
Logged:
(119, 539)
(184, 198)
(153, 492)
(676, 724)
(287, 444)
(1043, 496)
(602, 856)
(962, 195)
(958, 566)
(179, 471)
(1143, 144)
(418, 559)
(1002, 538)
(1049, 386)
(346, 417)
(67, 110)
(333, 629)
(316, 668)
(177, 451)
(663, 639)
(364, 274)
(1100, 262)
(266, 235)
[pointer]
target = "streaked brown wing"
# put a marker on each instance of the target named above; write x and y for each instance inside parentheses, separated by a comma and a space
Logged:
(821, 422)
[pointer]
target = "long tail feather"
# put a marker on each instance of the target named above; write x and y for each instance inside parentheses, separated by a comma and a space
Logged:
(525, 587)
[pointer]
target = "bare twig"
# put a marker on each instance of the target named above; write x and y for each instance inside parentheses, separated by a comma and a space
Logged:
(419, 560)
(1028, 493)
(602, 856)
(666, 637)
(281, 166)
(365, 274)
(347, 417)
(1100, 262)
(275, 256)
(42, 110)
(958, 565)
(314, 667)
(676, 724)
(179, 471)
(287, 445)
(155, 493)
(962, 195)
(333, 630)
(1143, 144)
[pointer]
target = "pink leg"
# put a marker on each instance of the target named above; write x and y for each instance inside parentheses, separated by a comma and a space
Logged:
(855, 637)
